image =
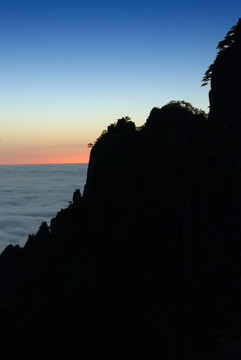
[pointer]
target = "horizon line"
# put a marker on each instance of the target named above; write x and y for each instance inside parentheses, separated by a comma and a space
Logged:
(50, 163)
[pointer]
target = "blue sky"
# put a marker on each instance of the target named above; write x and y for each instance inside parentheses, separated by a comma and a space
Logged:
(70, 68)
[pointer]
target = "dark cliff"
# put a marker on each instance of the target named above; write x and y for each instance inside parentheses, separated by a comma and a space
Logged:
(146, 264)
(225, 77)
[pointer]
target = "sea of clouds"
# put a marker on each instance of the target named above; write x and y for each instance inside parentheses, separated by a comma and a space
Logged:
(31, 194)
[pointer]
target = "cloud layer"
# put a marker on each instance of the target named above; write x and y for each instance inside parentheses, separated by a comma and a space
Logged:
(31, 194)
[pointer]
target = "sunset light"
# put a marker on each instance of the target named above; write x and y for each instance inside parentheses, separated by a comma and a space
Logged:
(71, 70)
(42, 156)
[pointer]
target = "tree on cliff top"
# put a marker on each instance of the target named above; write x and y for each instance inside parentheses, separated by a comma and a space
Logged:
(232, 38)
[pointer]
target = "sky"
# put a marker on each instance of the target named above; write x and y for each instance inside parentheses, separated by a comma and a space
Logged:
(68, 69)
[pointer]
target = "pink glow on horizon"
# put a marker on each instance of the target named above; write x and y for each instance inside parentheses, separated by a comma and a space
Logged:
(35, 158)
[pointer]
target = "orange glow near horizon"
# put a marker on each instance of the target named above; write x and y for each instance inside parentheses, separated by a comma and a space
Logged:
(45, 156)
(44, 144)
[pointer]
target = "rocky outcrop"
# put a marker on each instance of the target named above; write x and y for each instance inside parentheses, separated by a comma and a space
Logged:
(225, 94)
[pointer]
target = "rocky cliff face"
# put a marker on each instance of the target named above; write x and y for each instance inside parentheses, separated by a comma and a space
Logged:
(146, 264)
(225, 94)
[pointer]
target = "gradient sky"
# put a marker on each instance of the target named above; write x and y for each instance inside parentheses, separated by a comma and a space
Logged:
(70, 68)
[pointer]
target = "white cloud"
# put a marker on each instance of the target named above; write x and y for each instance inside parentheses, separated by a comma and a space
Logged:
(31, 194)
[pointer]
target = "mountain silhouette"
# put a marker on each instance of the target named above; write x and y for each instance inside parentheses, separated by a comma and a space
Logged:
(145, 264)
